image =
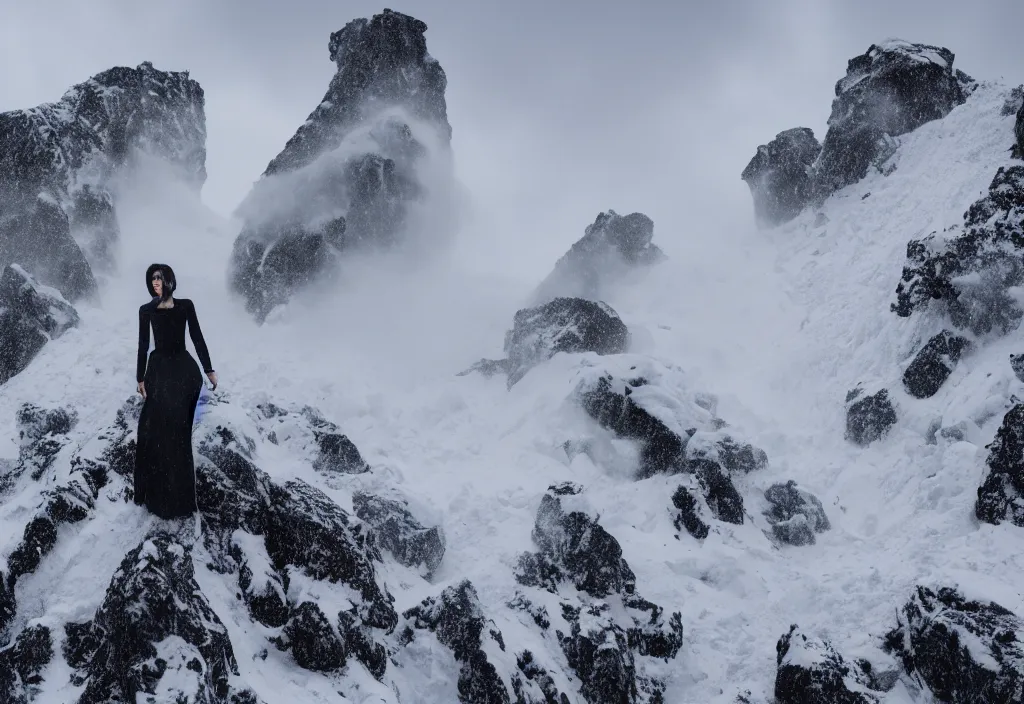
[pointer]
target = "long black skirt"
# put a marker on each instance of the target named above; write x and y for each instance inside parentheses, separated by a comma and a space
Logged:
(165, 476)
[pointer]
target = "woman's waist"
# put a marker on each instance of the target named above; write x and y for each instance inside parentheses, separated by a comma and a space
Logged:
(168, 350)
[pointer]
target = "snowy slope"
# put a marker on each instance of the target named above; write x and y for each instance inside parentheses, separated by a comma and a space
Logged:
(779, 325)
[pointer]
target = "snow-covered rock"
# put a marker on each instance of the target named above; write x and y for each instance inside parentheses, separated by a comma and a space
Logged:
(305, 431)
(67, 154)
(689, 514)
(891, 89)
(795, 515)
(972, 273)
(562, 325)
(35, 235)
(963, 649)
(811, 671)
(349, 175)
(30, 316)
(612, 630)
(1000, 494)
(155, 633)
(780, 176)
(610, 247)
(22, 664)
(868, 418)
(397, 530)
(455, 617)
(934, 363)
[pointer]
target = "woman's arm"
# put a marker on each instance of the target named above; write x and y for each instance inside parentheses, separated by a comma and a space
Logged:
(140, 366)
(196, 333)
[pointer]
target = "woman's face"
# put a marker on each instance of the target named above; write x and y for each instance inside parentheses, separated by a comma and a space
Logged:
(158, 283)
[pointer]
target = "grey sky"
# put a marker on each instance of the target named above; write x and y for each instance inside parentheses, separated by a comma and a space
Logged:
(559, 110)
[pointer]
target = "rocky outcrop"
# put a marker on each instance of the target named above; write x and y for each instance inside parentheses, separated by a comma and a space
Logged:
(457, 620)
(563, 325)
(891, 89)
(780, 176)
(35, 234)
(22, 664)
(155, 633)
(303, 532)
(964, 650)
(30, 316)
(307, 433)
(610, 247)
(611, 629)
(1000, 492)
(934, 363)
(972, 273)
(57, 162)
(795, 515)
(397, 530)
(347, 177)
(868, 418)
(811, 671)
(688, 514)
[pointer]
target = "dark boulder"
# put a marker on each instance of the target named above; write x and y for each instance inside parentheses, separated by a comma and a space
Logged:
(576, 546)
(603, 644)
(868, 418)
(35, 234)
(1017, 365)
(155, 631)
(964, 650)
(22, 664)
(314, 642)
(811, 671)
(780, 177)
(319, 198)
(970, 274)
(723, 499)
(397, 530)
(934, 363)
(610, 402)
(795, 515)
(458, 621)
(611, 246)
(893, 88)
(689, 514)
(30, 316)
(562, 325)
(998, 495)
(718, 446)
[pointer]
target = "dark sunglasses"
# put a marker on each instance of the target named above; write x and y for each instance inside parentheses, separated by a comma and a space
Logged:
(157, 277)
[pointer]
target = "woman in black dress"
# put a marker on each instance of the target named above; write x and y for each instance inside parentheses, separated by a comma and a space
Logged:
(170, 383)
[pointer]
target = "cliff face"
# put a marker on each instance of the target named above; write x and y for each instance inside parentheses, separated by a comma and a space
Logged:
(57, 161)
(349, 174)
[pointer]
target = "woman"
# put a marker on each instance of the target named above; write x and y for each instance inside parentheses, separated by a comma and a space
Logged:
(165, 479)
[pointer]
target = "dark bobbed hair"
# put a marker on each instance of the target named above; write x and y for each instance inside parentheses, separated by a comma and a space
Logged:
(170, 283)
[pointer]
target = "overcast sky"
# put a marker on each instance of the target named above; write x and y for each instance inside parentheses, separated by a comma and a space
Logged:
(559, 109)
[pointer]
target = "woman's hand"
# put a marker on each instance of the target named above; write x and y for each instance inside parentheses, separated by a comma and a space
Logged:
(142, 389)
(212, 376)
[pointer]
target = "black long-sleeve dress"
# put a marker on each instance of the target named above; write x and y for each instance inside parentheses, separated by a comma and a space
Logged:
(165, 479)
